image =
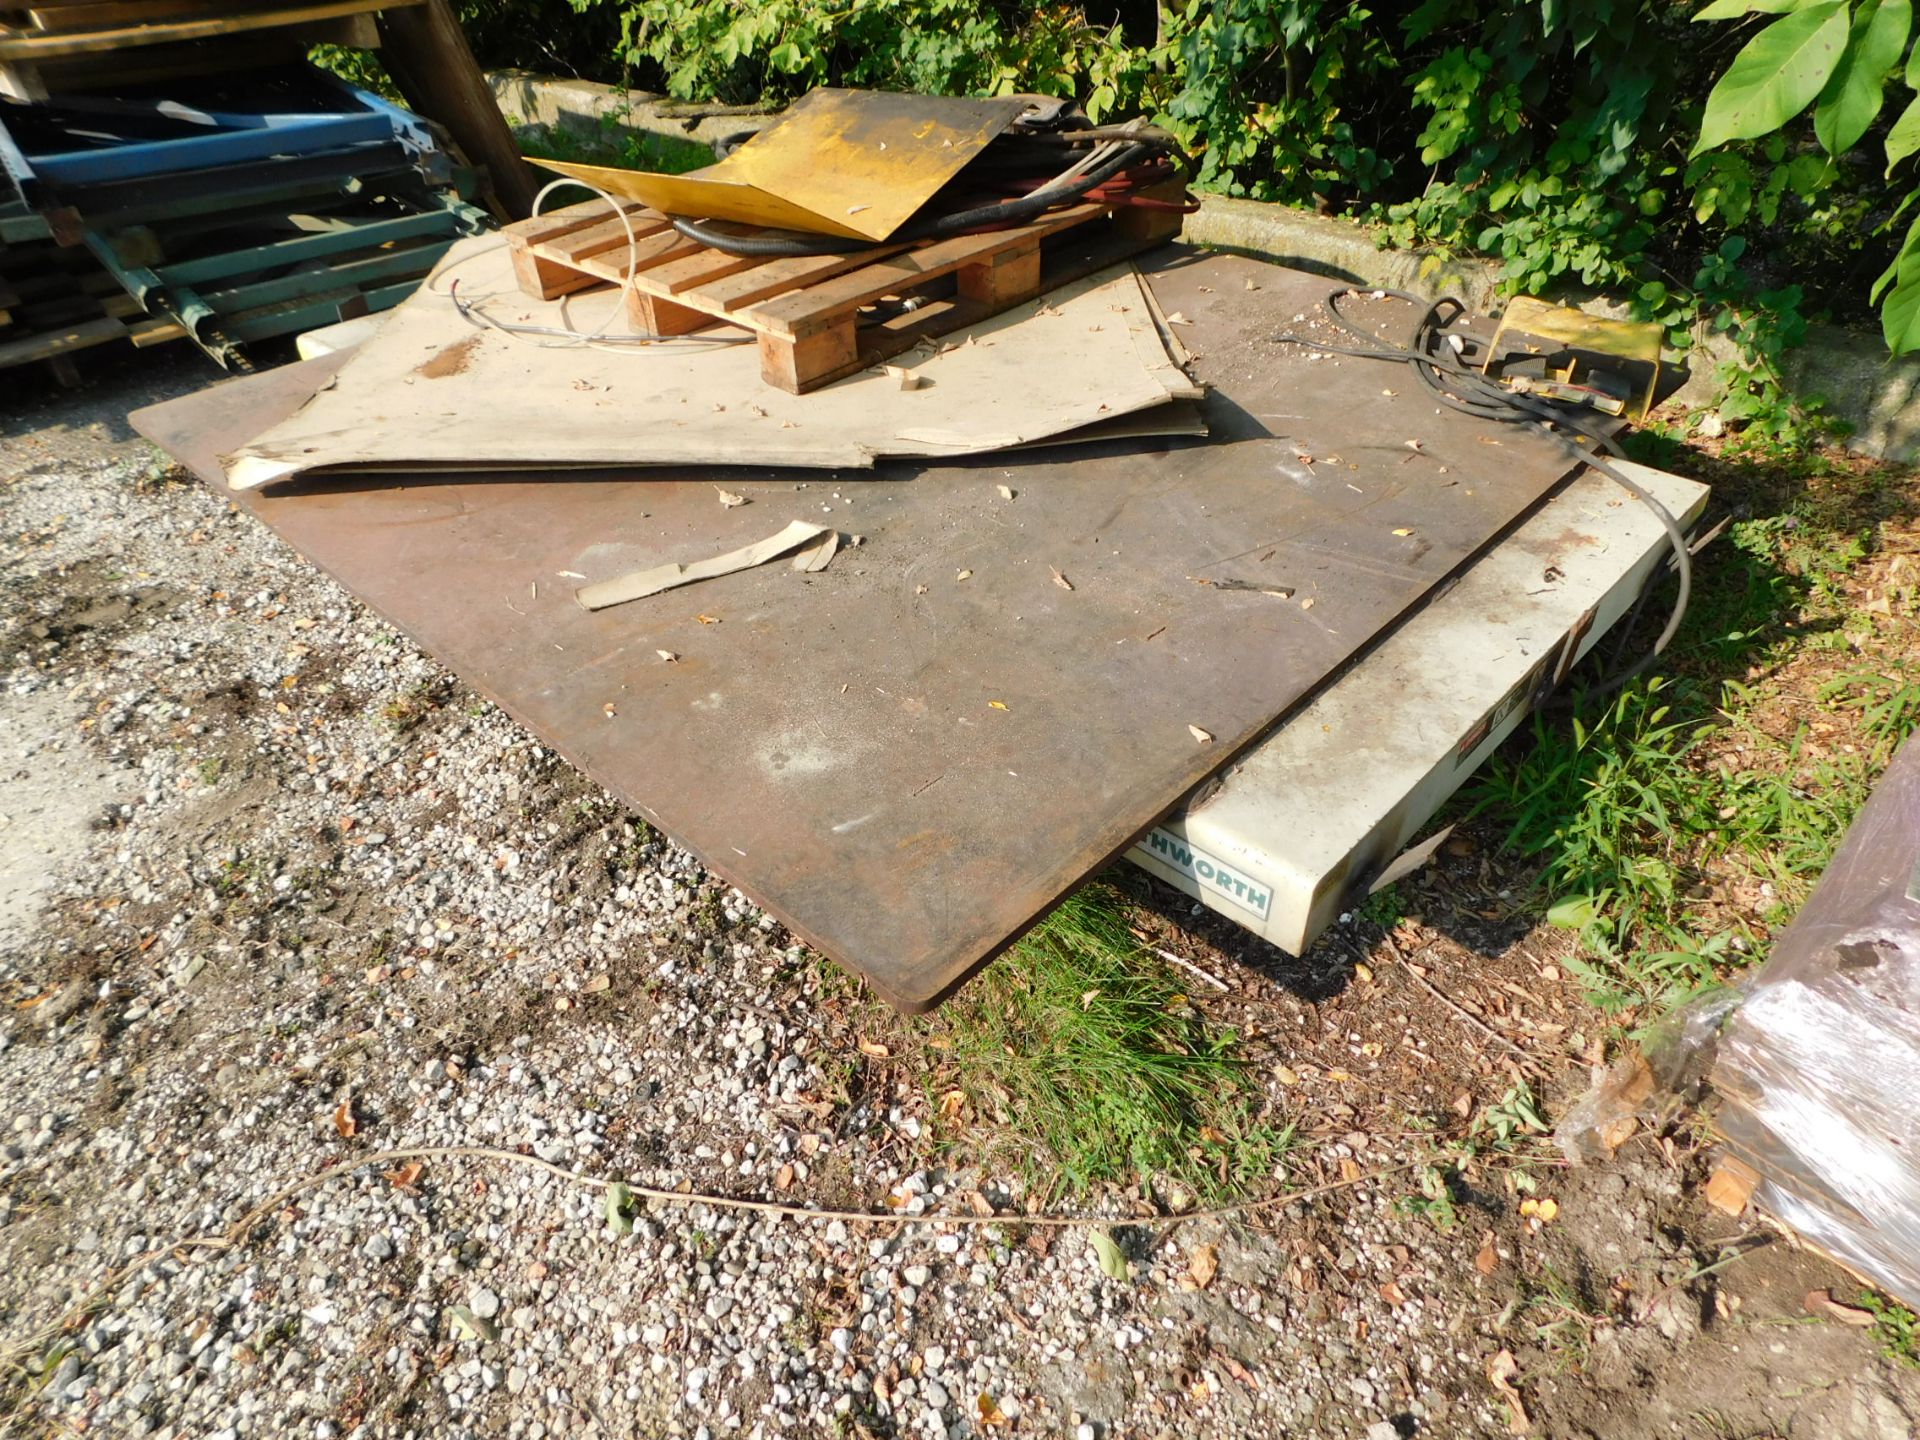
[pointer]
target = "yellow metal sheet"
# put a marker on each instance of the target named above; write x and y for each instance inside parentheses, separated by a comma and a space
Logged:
(700, 198)
(1629, 339)
(855, 163)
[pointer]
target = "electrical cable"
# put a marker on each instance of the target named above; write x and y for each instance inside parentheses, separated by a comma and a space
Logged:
(596, 339)
(1435, 354)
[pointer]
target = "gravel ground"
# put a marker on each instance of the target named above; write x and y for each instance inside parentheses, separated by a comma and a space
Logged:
(281, 894)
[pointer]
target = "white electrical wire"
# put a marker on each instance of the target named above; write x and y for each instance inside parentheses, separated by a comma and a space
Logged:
(568, 338)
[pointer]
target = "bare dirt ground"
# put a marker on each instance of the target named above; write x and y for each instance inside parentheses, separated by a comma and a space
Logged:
(280, 893)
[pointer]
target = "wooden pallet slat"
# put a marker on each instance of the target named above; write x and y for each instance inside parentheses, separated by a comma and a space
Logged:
(38, 46)
(806, 312)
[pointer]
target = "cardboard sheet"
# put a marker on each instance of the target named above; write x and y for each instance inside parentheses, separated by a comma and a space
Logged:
(433, 391)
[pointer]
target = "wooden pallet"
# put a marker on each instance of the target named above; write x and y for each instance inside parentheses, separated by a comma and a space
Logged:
(807, 312)
(55, 301)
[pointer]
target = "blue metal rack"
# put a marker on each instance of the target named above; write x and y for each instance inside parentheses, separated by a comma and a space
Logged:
(276, 203)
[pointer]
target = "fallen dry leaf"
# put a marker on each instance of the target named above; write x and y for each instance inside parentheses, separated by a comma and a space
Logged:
(996, 705)
(1286, 1075)
(1062, 581)
(1403, 531)
(343, 1120)
(597, 984)
(1821, 1302)
(875, 1049)
(1201, 735)
(728, 499)
(987, 1411)
(1176, 318)
(406, 1177)
(964, 575)
(667, 655)
(1393, 1294)
(1489, 1257)
(1203, 1263)
(1237, 1370)
(708, 619)
(1501, 1371)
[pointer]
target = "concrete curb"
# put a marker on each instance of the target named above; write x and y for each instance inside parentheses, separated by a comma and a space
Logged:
(1850, 369)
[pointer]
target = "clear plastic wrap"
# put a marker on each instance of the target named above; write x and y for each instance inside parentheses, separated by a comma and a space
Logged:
(1815, 1059)
(1646, 1087)
(1818, 1071)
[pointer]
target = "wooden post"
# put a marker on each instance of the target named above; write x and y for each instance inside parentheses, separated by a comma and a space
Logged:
(429, 60)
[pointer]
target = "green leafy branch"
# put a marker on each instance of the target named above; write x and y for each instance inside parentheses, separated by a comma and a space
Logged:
(1835, 59)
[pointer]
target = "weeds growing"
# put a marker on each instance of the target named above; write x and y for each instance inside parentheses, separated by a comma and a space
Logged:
(1679, 825)
(1093, 1066)
(1895, 1327)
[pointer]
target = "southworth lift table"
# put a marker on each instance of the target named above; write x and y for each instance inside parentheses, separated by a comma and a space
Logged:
(909, 765)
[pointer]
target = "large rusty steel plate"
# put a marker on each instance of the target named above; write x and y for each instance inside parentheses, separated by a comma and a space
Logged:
(911, 756)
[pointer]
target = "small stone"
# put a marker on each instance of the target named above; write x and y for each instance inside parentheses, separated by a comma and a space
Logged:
(841, 1339)
(483, 1302)
(378, 1247)
(917, 1276)
(516, 1379)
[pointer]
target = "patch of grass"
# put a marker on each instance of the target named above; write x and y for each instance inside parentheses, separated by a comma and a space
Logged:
(1888, 705)
(234, 878)
(1563, 1321)
(209, 770)
(1606, 804)
(1895, 1328)
(1087, 1063)
(405, 711)
(1678, 826)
